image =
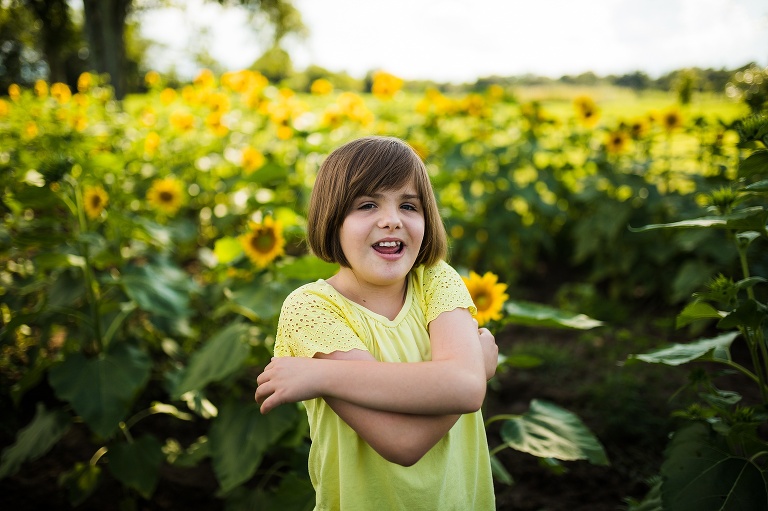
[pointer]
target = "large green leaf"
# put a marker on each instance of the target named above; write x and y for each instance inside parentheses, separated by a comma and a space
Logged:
(136, 464)
(533, 314)
(756, 163)
(308, 268)
(259, 300)
(753, 218)
(678, 354)
(700, 474)
(758, 187)
(160, 288)
(548, 431)
(239, 437)
(101, 389)
(35, 439)
(220, 356)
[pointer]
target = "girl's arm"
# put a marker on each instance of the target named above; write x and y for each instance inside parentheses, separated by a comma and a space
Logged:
(453, 382)
(398, 437)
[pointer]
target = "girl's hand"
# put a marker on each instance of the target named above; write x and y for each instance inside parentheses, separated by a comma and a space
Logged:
(490, 352)
(287, 380)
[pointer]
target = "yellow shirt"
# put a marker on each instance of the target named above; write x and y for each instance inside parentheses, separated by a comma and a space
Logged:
(346, 472)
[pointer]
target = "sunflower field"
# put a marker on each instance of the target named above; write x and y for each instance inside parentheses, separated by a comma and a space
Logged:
(146, 247)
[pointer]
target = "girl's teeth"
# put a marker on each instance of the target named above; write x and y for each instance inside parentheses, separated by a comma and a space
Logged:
(389, 244)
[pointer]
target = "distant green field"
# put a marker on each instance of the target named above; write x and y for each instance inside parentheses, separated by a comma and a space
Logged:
(617, 103)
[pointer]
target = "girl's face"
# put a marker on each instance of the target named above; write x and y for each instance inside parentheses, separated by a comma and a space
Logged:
(381, 235)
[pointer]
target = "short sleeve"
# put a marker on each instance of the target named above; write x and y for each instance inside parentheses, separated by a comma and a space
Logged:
(310, 323)
(444, 290)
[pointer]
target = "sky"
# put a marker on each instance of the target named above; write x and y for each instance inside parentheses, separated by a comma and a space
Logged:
(462, 40)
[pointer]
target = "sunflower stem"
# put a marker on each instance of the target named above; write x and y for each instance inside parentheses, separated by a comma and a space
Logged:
(91, 289)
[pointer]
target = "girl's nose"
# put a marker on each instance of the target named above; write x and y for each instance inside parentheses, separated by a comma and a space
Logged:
(390, 219)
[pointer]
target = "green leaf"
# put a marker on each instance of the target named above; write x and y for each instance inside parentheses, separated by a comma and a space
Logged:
(749, 282)
(80, 482)
(678, 354)
(756, 163)
(533, 314)
(49, 260)
(500, 472)
(700, 474)
(270, 172)
(694, 311)
(220, 356)
(35, 439)
(746, 219)
(548, 431)
(294, 493)
(259, 300)
(308, 269)
(758, 187)
(160, 288)
(102, 388)
(137, 464)
(227, 249)
(239, 437)
(748, 314)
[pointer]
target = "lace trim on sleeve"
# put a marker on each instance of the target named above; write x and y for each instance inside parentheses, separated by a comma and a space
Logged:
(310, 323)
(444, 291)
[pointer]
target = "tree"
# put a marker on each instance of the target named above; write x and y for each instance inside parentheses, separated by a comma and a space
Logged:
(50, 36)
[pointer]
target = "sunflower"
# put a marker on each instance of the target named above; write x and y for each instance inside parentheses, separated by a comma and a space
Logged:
(167, 96)
(321, 87)
(14, 92)
(96, 200)
(264, 242)
(489, 296)
(84, 82)
(41, 88)
(671, 119)
(252, 159)
(152, 79)
(182, 120)
(586, 110)
(616, 142)
(385, 85)
(166, 195)
(60, 91)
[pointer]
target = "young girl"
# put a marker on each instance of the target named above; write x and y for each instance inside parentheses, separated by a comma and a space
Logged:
(385, 354)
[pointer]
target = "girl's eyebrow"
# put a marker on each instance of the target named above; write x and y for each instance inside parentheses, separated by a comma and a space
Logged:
(409, 196)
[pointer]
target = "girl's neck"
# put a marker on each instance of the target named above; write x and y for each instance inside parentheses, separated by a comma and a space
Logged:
(384, 300)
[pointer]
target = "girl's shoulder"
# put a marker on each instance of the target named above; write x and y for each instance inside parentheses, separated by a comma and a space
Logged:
(317, 293)
(436, 275)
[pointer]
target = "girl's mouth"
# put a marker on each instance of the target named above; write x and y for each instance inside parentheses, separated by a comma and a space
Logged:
(388, 247)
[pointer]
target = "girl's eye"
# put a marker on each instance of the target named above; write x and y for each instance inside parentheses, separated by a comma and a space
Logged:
(367, 205)
(409, 207)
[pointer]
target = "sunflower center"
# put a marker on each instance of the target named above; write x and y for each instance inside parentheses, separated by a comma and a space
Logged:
(483, 301)
(263, 241)
(95, 201)
(166, 196)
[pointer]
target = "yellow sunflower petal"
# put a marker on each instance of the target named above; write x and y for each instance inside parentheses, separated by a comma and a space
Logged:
(488, 295)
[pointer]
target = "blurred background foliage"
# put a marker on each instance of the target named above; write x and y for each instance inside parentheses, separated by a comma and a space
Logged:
(152, 226)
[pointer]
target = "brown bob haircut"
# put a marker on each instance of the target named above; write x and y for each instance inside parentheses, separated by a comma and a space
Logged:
(363, 167)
